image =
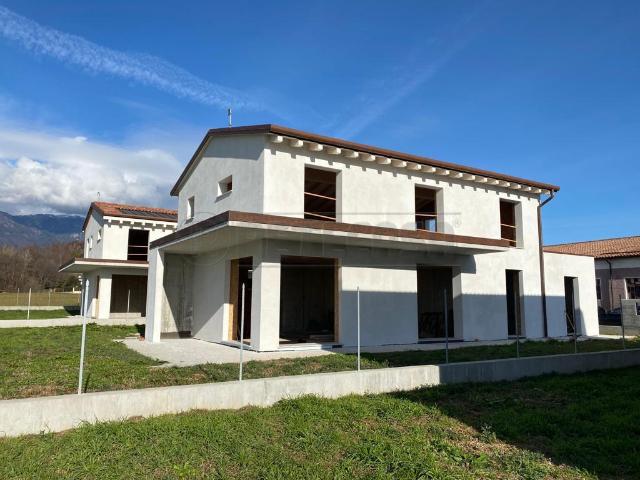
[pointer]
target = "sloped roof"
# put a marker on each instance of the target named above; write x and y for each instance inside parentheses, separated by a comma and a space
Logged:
(607, 248)
(338, 142)
(132, 211)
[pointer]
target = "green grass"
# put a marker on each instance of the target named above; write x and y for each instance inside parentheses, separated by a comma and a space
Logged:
(44, 361)
(39, 299)
(33, 314)
(554, 427)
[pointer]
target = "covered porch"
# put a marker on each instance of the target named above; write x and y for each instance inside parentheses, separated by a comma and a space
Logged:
(301, 279)
(117, 289)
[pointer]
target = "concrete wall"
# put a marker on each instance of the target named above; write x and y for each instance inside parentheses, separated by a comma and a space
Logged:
(557, 267)
(239, 156)
(58, 413)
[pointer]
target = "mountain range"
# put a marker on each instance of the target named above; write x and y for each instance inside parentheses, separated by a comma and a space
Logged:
(39, 229)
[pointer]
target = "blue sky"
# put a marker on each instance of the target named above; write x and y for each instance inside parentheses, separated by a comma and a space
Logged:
(115, 96)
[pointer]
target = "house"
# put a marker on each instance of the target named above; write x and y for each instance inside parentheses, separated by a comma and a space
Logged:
(306, 225)
(617, 269)
(116, 243)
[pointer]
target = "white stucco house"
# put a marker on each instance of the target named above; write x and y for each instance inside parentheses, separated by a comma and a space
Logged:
(115, 259)
(304, 222)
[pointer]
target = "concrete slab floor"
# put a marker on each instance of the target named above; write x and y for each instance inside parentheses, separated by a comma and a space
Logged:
(182, 352)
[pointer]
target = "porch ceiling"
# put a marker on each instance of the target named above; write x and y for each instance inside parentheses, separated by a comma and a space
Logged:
(236, 228)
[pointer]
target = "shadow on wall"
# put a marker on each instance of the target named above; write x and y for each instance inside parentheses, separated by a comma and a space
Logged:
(397, 318)
(588, 421)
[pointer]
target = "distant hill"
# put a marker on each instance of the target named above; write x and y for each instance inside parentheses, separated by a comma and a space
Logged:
(39, 229)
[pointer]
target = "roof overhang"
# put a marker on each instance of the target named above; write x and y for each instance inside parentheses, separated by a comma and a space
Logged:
(367, 153)
(87, 265)
(235, 228)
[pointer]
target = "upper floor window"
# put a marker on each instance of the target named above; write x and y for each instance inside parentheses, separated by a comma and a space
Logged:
(99, 234)
(138, 245)
(319, 194)
(225, 186)
(426, 209)
(191, 207)
(90, 243)
(508, 226)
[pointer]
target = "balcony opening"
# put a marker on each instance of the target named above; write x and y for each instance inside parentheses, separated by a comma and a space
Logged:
(508, 226)
(426, 209)
(319, 195)
(138, 245)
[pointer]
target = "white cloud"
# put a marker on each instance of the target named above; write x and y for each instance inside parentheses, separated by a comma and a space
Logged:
(143, 68)
(46, 172)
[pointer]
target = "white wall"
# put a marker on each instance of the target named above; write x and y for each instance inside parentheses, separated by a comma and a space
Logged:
(239, 156)
(557, 266)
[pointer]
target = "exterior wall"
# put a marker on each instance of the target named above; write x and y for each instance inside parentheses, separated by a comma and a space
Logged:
(92, 233)
(612, 281)
(557, 266)
(115, 235)
(240, 156)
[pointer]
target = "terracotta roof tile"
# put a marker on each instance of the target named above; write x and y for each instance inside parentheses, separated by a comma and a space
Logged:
(132, 211)
(607, 248)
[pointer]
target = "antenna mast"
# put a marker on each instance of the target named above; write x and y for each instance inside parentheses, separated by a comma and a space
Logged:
(229, 115)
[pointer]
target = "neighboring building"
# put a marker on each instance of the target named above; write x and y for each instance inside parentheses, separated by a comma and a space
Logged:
(617, 265)
(116, 244)
(304, 222)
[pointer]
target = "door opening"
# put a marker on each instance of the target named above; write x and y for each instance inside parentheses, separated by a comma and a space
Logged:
(570, 305)
(241, 273)
(432, 282)
(514, 307)
(308, 299)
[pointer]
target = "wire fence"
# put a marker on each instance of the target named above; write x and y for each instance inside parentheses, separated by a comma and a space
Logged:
(39, 298)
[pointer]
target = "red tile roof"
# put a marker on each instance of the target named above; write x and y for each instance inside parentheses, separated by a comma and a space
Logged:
(607, 248)
(132, 211)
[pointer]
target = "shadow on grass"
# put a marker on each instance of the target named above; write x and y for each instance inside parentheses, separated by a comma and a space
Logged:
(590, 421)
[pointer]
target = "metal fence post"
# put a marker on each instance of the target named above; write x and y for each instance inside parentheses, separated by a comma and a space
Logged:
(29, 305)
(446, 328)
(241, 334)
(624, 345)
(358, 323)
(83, 306)
(18, 297)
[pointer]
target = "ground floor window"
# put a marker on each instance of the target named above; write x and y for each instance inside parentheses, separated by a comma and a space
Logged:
(128, 295)
(432, 284)
(633, 288)
(514, 306)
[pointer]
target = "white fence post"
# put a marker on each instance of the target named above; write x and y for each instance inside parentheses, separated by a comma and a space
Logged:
(83, 307)
(241, 333)
(358, 309)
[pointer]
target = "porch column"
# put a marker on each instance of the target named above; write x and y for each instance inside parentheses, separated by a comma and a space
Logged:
(265, 304)
(155, 296)
(104, 296)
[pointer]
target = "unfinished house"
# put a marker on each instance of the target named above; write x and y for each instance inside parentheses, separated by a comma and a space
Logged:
(617, 270)
(280, 231)
(115, 260)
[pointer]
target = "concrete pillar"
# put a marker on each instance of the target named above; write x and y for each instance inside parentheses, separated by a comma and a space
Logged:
(155, 296)
(104, 296)
(265, 304)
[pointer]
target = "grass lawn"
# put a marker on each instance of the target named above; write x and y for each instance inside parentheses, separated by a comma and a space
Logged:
(44, 361)
(553, 427)
(33, 314)
(39, 299)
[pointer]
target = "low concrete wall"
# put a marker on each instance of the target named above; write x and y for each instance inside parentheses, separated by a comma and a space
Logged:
(58, 413)
(68, 322)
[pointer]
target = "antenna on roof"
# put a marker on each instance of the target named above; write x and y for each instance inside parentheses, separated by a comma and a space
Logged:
(229, 115)
(98, 196)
